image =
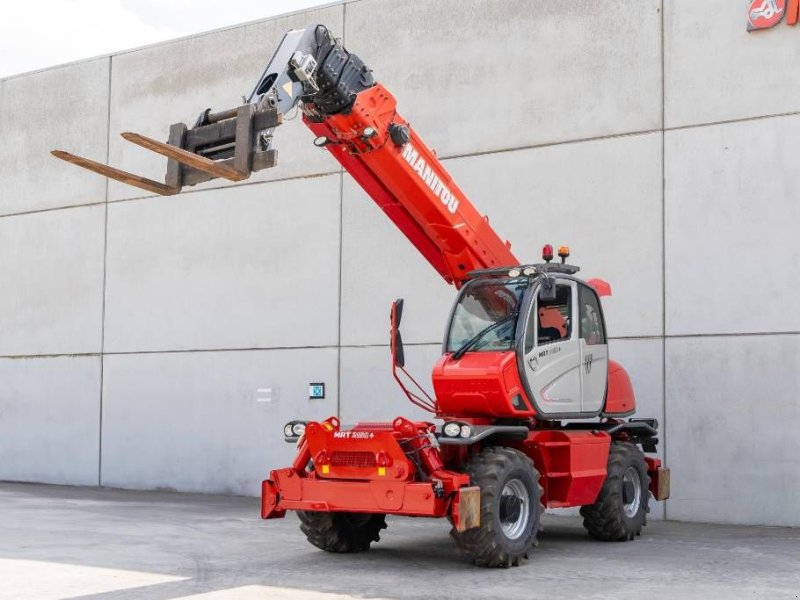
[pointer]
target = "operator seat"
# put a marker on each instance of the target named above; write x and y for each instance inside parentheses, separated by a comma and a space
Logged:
(552, 324)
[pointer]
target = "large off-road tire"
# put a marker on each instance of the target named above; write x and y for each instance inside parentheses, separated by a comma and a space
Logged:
(341, 531)
(621, 508)
(510, 508)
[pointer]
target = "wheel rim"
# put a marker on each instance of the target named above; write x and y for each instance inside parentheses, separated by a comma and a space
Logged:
(515, 504)
(632, 480)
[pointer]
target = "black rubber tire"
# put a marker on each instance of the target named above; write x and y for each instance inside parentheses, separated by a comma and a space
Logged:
(488, 545)
(341, 531)
(606, 519)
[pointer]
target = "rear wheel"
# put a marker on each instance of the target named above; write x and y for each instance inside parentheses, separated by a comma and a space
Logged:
(341, 531)
(620, 511)
(510, 508)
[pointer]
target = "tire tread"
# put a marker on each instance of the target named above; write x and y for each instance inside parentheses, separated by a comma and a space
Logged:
(480, 544)
(331, 531)
(605, 520)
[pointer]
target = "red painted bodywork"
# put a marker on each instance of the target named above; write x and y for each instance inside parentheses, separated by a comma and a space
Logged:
(793, 12)
(484, 384)
(367, 468)
(603, 288)
(620, 400)
(479, 384)
(364, 469)
(572, 464)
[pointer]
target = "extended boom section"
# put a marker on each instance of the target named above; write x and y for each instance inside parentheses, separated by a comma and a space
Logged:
(384, 154)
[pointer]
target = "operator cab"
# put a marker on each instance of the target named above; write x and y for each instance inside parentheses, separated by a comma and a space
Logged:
(545, 322)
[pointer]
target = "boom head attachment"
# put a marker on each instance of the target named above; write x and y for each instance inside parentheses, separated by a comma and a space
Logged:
(231, 145)
(309, 68)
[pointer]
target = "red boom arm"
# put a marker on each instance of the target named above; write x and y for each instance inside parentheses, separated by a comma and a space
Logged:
(409, 183)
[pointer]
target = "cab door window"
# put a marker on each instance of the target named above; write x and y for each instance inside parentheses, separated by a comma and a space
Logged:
(591, 320)
(552, 322)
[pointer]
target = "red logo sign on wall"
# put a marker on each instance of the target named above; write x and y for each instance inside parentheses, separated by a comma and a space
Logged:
(765, 14)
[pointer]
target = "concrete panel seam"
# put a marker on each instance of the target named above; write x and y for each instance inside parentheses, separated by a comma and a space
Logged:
(663, 248)
(341, 255)
(52, 209)
(610, 136)
(103, 290)
(730, 335)
(407, 344)
(226, 187)
(339, 311)
(37, 356)
(733, 121)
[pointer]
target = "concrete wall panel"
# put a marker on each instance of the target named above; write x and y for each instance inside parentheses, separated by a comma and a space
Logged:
(204, 421)
(732, 257)
(482, 75)
(51, 277)
(157, 86)
(250, 267)
(370, 393)
(716, 71)
(65, 107)
(732, 422)
(49, 419)
(602, 198)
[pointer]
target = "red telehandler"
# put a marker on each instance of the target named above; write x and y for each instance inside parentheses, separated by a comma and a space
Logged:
(530, 411)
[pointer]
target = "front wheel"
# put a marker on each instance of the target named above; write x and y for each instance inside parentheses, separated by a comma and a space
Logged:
(620, 511)
(341, 531)
(510, 508)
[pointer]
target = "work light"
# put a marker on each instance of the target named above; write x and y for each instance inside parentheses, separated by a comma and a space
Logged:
(452, 429)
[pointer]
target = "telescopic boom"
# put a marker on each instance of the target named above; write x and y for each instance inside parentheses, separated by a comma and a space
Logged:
(356, 120)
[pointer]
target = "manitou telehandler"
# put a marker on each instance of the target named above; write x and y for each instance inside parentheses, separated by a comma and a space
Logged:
(529, 408)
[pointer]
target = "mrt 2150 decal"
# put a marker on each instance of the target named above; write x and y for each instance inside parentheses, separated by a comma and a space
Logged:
(765, 14)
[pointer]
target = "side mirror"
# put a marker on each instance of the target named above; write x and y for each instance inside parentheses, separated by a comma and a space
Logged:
(547, 291)
(420, 397)
(396, 340)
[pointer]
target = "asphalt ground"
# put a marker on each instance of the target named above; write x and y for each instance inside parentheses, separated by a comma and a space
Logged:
(63, 542)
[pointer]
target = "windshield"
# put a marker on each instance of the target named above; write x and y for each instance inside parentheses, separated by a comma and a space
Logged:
(487, 303)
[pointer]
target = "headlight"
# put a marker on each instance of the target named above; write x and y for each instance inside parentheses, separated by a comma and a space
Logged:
(294, 429)
(451, 429)
(466, 431)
